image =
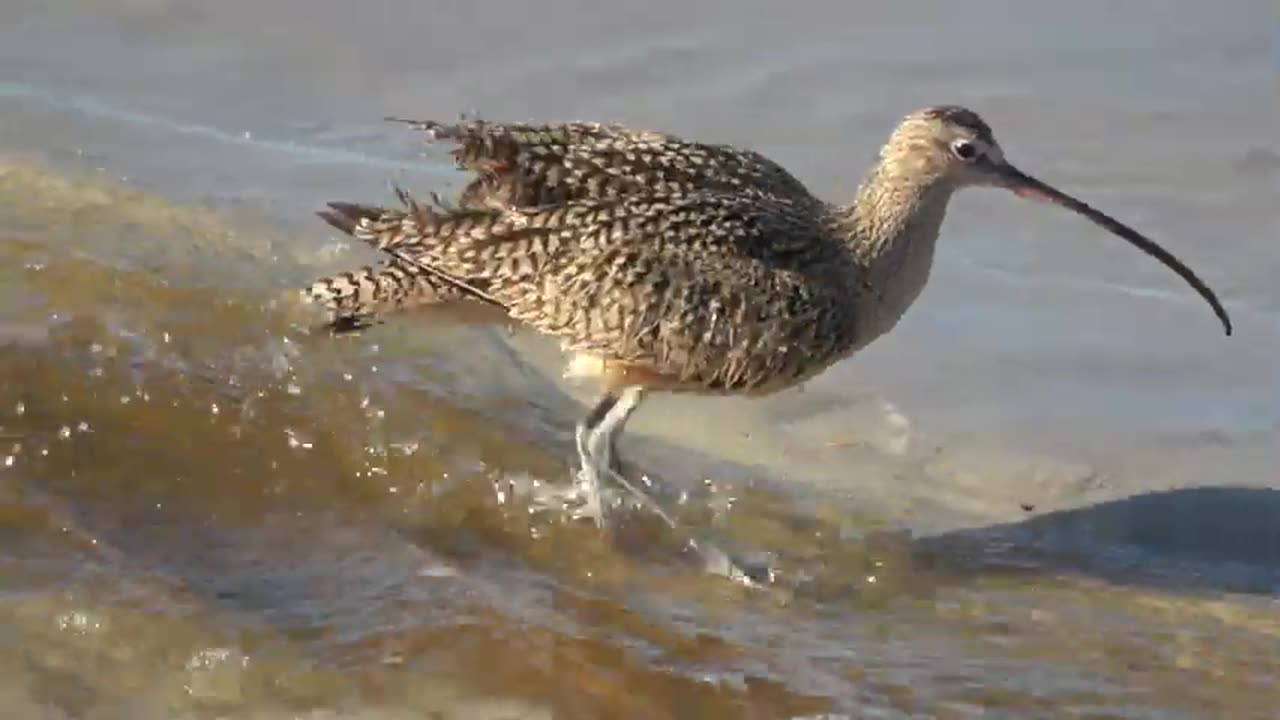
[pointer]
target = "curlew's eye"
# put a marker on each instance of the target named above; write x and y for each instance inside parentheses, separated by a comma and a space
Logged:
(965, 150)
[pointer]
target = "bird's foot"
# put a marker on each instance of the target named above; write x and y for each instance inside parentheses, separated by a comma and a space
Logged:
(733, 567)
(585, 497)
(596, 437)
(539, 497)
(591, 496)
(714, 560)
(587, 484)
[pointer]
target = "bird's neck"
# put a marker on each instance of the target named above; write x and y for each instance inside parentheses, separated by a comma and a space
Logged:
(891, 229)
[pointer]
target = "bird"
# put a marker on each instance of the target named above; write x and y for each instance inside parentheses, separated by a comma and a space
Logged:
(664, 264)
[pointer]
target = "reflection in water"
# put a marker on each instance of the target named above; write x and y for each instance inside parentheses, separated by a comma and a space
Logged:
(208, 509)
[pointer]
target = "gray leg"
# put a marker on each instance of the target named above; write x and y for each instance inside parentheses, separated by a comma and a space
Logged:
(602, 447)
(597, 438)
(597, 448)
(589, 475)
(605, 440)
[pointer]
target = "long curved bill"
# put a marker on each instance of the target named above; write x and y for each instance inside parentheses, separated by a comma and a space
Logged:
(1024, 185)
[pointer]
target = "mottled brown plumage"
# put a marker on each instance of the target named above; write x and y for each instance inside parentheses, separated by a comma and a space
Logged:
(369, 291)
(532, 165)
(683, 266)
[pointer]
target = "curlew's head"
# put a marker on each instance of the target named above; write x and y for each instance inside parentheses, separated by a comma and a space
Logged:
(952, 145)
(942, 143)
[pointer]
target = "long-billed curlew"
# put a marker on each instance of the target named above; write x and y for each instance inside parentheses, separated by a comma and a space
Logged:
(672, 265)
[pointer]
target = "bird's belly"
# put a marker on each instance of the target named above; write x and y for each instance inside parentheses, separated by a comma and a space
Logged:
(748, 376)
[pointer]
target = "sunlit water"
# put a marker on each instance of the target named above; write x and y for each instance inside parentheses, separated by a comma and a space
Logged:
(1051, 492)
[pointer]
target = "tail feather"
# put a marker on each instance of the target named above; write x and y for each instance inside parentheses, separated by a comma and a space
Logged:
(347, 216)
(405, 282)
(368, 291)
(379, 227)
(390, 229)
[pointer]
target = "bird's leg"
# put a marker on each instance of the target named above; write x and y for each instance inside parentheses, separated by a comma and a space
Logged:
(597, 442)
(597, 448)
(602, 444)
(589, 475)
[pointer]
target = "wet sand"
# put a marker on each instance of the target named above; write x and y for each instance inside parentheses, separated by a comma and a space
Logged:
(1052, 492)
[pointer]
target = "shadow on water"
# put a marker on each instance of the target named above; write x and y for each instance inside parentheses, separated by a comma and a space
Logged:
(1204, 538)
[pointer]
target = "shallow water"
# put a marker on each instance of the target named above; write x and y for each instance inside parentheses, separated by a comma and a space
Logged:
(1051, 492)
